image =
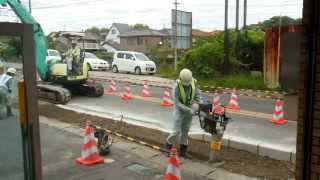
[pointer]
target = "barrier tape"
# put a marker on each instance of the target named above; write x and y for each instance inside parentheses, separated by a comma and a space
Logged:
(274, 95)
(132, 139)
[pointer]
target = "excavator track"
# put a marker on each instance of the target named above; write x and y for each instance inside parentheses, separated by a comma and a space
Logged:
(53, 93)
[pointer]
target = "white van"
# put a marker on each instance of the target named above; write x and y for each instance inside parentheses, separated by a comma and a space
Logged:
(133, 62)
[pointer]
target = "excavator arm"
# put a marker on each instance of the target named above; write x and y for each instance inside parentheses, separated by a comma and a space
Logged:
(39, 37)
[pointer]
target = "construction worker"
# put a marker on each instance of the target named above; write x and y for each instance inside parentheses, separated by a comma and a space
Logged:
(186, 96)
(73, 57)
(5, 89)
(11, 72)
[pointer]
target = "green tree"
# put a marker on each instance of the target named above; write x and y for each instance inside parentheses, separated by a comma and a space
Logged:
(139, 26)
(275, 21)
(98, 31)
(51, 42)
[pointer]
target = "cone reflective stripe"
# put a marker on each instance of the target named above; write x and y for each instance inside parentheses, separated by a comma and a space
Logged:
(278, 115)
(127, 93)
(89, 151)
(216, 105)
(166, 100)
(145, 91)
(233, 104)
(173, 170)
(113, 87)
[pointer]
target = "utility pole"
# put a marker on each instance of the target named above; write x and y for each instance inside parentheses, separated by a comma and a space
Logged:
(237, 26)
(30, 6)
(175, 35)
(226, 39)
(245, 18)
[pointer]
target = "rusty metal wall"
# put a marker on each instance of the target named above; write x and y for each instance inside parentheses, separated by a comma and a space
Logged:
(273, 53)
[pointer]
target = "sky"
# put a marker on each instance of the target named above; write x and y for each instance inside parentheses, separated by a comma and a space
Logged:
(207, 15)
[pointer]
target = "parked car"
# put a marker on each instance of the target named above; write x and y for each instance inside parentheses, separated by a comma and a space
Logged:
(95, 63)
(133, 62)
(53, 56)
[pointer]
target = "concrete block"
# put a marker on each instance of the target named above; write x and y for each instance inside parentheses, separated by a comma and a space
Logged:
(253, 148)
(274, 153)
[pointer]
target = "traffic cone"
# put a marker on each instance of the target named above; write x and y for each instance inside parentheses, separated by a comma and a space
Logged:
(112, 87)
(173, 170)
(127, 93)
(145, 91)
(89, 151)
(233, 104)
(216, 104)
(278, 115)
(166, 100)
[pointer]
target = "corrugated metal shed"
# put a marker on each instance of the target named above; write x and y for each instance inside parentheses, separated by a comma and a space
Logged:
(273, 53)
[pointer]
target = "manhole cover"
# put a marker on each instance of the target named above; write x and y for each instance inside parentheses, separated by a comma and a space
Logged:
(138, 168)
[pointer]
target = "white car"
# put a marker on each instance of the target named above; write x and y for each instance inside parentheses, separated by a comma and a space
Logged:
(133, 62)
(53, 56)
(95, 63)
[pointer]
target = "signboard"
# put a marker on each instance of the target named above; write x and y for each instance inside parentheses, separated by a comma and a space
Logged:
(181, 29)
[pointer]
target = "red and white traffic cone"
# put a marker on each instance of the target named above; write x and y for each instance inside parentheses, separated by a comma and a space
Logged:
(112, 87)
(166, 100)
(127, 93)
(89, 151)
(233, 104)
(216, 104)
(278, 115)
(173, 170)
(145, 91)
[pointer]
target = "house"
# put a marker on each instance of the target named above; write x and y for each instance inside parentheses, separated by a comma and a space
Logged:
(142, 40)
(109, 47)
(87, 41)
(115, 31)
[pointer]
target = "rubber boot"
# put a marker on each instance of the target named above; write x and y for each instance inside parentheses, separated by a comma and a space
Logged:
(184, 151)
(9, 111)
(168, 147)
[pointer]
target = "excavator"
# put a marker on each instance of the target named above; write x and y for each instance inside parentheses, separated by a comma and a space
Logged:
(57, 84)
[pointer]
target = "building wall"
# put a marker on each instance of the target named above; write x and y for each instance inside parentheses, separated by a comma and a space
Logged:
(315, 163)
(141, 44)
(113, 35)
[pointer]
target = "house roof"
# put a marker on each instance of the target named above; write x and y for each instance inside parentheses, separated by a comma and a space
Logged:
(121, 27)
(144, 32)
(90, 36)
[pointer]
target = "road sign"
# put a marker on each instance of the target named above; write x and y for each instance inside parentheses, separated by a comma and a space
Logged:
(182, 29)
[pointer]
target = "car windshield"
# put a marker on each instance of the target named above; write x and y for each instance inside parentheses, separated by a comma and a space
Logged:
(54, 53)
(142, 57)
(90, 55)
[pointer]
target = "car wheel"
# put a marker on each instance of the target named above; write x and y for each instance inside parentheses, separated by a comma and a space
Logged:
(115, 69)
(89, 67)
(137, 70)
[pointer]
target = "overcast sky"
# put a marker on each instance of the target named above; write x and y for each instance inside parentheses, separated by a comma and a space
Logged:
(208, 15)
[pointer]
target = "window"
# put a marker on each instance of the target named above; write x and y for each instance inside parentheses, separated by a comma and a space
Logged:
(139, 40)
(129, 56)
(120, 55)
(142, 57)
(113, 31)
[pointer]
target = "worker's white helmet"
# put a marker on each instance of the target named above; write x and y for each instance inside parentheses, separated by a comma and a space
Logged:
(12, 71)
(186, 76)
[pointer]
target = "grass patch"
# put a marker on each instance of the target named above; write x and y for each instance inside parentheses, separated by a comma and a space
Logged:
(240, 81)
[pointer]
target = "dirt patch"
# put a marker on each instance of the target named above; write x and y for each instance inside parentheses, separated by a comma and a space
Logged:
(236, 161)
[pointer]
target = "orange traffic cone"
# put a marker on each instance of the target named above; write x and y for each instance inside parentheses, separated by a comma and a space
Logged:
(89, 151)
(113, 87)
(173, 170)
(145, 91)
(278, 115)
(216, 104)
(166, 100)
(127, 93)
(233, 104)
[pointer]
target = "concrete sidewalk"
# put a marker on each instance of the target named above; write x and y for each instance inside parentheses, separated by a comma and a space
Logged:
(252, 134)
(61, 143)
